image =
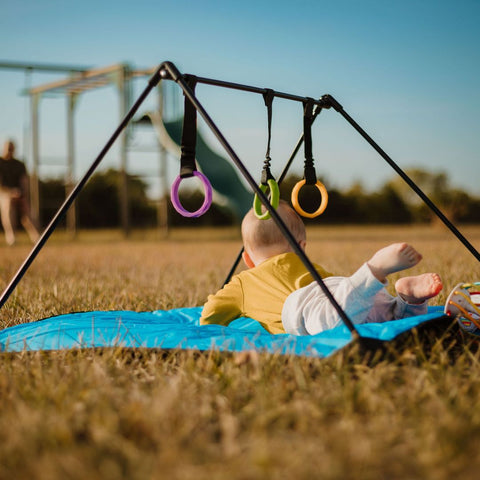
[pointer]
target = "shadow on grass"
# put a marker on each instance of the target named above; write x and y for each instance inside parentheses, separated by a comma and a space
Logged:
(440, 341)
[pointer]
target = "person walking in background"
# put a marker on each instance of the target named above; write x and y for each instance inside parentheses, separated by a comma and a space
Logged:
(14, 195)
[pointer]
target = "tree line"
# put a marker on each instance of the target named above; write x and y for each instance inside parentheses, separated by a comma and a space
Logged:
(98, 205)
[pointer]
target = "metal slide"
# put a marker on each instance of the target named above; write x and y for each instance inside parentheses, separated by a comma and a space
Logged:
(221, 173)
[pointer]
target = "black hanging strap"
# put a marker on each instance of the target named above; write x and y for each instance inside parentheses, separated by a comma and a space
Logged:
(268, 97)
(189, 133)
(308, 117)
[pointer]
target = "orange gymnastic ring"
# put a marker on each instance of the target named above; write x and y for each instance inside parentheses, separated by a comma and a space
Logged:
(299, 209)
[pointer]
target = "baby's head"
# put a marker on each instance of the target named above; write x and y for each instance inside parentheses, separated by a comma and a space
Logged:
(262, 239)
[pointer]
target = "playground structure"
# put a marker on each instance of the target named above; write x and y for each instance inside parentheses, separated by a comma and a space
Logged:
(168, 71)
(82, 80)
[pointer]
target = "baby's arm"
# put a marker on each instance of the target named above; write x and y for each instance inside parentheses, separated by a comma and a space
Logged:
(224, 306)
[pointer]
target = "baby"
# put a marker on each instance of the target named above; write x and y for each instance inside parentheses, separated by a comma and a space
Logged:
(279, 292)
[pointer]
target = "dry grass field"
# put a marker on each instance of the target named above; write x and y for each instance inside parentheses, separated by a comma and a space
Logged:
(111, 414)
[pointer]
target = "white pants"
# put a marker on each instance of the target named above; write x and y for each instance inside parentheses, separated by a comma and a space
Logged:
(8, 212)
(308, 311)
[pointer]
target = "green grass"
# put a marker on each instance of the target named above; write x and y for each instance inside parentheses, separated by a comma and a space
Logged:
(142, 414)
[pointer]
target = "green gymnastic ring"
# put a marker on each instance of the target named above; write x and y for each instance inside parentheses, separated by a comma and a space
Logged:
(274, 199)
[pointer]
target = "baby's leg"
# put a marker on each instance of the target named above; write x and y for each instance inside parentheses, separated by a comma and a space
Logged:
(395, 257)
(419, 288)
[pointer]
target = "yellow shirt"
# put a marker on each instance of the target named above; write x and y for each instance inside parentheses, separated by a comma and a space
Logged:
(259, 292)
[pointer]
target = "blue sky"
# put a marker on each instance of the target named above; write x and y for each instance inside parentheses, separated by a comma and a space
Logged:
(406, 71)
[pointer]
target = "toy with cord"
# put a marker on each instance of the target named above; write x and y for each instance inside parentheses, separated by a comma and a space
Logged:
(267, 181)
(464, 304)
(310, 176)
(188, 166)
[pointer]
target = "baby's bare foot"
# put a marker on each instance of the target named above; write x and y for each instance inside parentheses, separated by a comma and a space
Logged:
(419, 288)
(391, 259)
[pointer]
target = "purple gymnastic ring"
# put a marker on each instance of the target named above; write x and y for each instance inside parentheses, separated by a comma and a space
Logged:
(206, 203)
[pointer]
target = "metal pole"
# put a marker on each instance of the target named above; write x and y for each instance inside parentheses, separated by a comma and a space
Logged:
(333, 103)
(124, 201)
(162, 208)
(251, 89)
(34, 180)
(71, 215)
(42, 67)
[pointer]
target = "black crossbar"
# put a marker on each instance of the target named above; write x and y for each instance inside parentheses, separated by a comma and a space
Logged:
(261, 91)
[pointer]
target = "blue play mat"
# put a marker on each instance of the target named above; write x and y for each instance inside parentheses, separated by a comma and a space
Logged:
(179, 329)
